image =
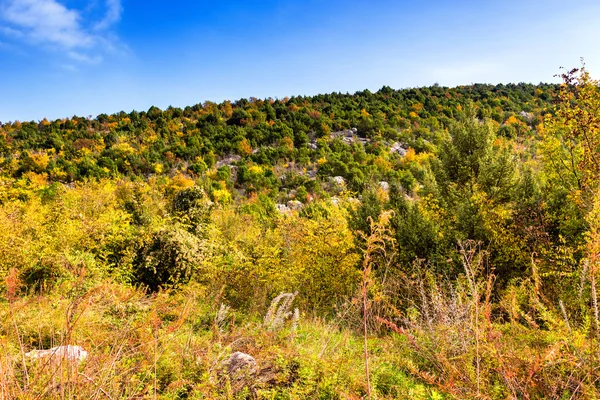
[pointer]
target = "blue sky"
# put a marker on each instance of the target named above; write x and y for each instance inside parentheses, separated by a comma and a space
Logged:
(60, 58)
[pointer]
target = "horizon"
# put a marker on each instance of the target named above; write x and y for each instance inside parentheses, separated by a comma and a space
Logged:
(234, 101)
(62, 58)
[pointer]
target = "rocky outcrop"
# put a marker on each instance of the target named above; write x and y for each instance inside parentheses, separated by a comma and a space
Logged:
(70, 353)
(349, 136)
(398, 148)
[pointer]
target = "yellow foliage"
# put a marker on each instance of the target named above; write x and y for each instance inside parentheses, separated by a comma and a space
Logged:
(382, 195)
(59, 234)
(417, 107)
(314, 256)
(227, 109)
(36, 180)
(513, 121)
(287, 143)
(180, 181)
(57, 174)
(221, 196)
(382, 163)
(123, 148)
(410, 155)
(244, 147)
(256, 169)
(40, 160)
(540, 128)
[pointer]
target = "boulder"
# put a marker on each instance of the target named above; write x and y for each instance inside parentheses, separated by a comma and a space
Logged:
(528, 116)
(338, 180)
(71, 353)
(242, 371)
(241, 363)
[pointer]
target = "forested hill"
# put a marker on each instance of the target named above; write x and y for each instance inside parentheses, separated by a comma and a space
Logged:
(445, 241)
(453, 163)
(267, 133)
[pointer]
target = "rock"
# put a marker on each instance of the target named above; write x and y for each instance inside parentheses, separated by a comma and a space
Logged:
(528, 116)
(348, 136)
(384, 185)
(338, 180)
(398, 148)
(294, 205)
(71, 353)
(241, 362)
(242, 371)
(228, 161)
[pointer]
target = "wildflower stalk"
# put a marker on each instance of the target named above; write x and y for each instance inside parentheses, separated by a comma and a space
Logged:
(375, 244)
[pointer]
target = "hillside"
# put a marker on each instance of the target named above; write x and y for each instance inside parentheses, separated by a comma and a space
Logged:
(448, 236)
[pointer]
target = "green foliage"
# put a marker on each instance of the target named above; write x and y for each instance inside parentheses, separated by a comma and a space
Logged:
(192, 207)
(169, 258)
(160, 238)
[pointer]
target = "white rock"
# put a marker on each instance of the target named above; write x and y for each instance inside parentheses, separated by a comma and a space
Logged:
(338, 180)
(398, 148)
(68, 352)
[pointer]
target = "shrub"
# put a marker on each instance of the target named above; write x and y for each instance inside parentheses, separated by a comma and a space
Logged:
(168, 259)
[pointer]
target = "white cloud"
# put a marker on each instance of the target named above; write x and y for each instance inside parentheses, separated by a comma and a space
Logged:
(84, 58)
(112, 16)
(11, 32)
(53, 25)
(46, 21)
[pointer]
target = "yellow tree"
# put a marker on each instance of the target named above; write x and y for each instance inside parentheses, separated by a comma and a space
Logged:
(577, 121)
(577, 118)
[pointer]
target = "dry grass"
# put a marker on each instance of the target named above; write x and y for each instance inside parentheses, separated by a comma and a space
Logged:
(455, 338)
(172, 345)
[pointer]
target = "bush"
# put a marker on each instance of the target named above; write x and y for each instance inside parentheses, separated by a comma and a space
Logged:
(169, 259)
(192, 206)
